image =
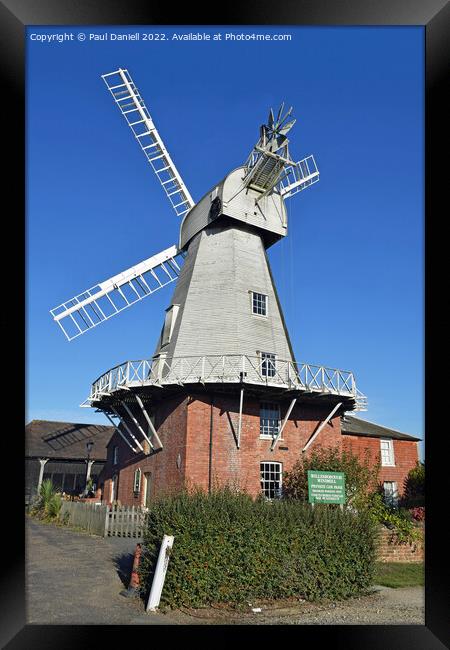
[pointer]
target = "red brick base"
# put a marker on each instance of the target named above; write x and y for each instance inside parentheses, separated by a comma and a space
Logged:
(199, 434)
(391, 550)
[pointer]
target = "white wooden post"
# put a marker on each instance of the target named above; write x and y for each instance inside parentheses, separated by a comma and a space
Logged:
(89, 467)
(314, 436)
(105, 534)
(42, 462)
(160, 573)
(240, 418)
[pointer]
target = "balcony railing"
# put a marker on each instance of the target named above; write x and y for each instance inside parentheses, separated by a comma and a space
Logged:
(228, 369)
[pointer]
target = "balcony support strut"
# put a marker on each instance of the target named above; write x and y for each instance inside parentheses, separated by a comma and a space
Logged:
(241, 400)
(122, 421)
(150, 423)
(120, 433)
(138, 426)
(327, 419)
(289, 411)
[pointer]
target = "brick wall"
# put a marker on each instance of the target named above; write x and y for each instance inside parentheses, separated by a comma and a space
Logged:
(183, 425)
(406, 454)
(161, 468)
(391, 550)
(242, 466)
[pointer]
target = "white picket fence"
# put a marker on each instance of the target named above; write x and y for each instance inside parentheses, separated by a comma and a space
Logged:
(105, 520)
(125, 521)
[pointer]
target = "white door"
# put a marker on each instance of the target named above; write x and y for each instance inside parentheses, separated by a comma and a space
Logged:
(114, 488)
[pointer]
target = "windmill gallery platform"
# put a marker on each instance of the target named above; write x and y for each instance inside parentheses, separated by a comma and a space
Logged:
(222, 399)
(210, 420)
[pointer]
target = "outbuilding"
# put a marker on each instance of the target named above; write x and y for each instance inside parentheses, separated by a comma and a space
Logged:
(397, 452)
(65, 452)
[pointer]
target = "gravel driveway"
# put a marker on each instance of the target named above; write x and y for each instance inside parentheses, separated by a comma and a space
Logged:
(76, 578)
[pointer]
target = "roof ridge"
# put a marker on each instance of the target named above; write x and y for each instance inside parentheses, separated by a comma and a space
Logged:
(84, 424)
(382, 426)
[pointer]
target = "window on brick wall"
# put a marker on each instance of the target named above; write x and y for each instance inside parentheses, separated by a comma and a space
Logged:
(115, 455)
(390, 493)
(271, 479)
(269, 420)
(137, 481)
(387, 452)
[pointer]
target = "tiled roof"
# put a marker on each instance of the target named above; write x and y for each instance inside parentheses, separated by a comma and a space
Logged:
(357, 427)
(66, 439)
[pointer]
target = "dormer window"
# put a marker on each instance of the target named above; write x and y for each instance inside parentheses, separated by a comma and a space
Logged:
(169, 324)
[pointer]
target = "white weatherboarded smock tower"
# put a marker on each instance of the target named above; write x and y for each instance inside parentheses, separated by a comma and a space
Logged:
(223, 332)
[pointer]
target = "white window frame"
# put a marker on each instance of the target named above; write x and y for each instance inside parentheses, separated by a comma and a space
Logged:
(390, 494)
(252, 298)
(137, 481)
(115, 455)
(273, 360)
(388, 458)
(263, 481)
(269, 406)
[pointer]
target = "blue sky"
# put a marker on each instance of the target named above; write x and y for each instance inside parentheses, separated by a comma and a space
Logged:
(350, 273)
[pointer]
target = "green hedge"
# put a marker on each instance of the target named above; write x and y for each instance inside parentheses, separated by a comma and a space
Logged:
(229, 548)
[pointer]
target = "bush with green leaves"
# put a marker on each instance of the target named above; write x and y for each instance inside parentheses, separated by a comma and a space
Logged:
(361, 475)
(48, 505)
(414, 487)
(398, 520)
(231, 548)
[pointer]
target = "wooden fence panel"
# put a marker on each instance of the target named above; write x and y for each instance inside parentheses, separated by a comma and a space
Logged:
(107, 521)
(88, 516)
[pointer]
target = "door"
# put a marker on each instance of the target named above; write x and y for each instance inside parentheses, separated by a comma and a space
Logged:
(114, 488)
(148, 489)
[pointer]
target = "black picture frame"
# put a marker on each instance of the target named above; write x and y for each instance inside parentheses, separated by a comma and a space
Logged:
(15, 16)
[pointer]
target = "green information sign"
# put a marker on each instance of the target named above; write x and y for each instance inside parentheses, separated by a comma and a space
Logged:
(326, 487)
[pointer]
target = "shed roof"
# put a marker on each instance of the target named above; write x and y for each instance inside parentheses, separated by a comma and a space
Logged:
(66, 440)
(356, 427)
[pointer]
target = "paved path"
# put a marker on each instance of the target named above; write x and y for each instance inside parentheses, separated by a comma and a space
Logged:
(74, 578)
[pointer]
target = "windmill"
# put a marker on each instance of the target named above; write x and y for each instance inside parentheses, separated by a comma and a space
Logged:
(224, 328)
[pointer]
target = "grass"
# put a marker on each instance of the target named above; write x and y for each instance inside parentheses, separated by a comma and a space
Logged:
(399, 574)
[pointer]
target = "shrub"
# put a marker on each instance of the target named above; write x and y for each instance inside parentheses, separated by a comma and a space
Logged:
(229, 548)
(418, 514)
(397, 520)
(361, 476)
(48, 505)
(414, 487)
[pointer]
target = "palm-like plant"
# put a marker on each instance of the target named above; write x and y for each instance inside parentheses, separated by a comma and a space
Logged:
(49, 503)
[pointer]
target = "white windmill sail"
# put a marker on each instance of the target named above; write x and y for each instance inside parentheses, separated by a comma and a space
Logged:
(92, 307)
(132, 106)
(298, 177)
(270, 175)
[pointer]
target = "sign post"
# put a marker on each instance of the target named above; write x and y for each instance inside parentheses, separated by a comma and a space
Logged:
(326, 487)
(160, 573)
